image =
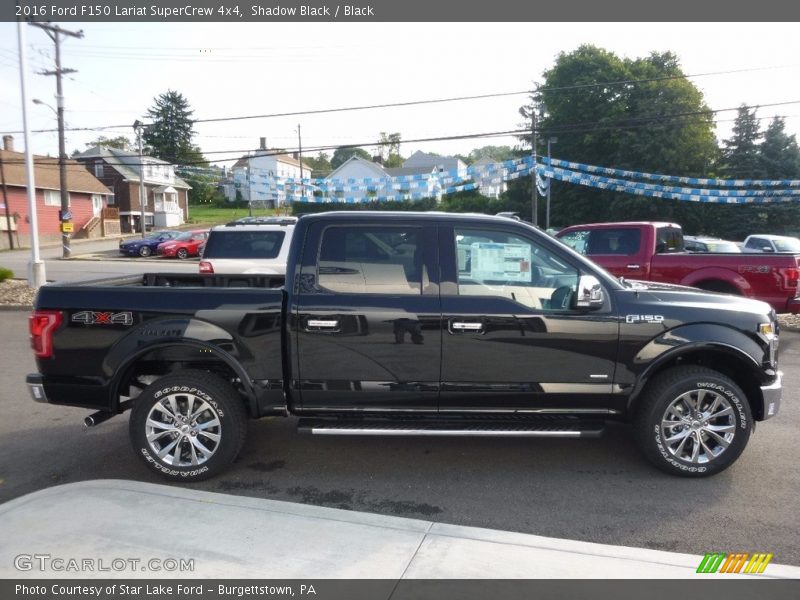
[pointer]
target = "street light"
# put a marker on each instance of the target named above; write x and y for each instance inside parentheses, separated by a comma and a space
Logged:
(551, 140)
(138, 127)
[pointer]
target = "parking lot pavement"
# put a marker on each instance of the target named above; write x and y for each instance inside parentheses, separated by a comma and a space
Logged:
(595, 490)
(302, 540)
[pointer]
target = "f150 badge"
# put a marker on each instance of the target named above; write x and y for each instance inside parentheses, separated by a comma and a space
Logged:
(644, 318)
(90, 317)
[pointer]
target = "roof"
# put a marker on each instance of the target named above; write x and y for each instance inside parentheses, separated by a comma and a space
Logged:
(378, 169)
(244, 161)
(127, 163)
(351, 215)
(46, 174)
(401, 171)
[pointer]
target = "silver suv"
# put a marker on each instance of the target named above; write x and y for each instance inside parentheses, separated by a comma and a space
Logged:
(253, 245)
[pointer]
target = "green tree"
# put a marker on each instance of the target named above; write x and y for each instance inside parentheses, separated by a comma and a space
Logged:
(320, 165)
(390, 149)
(740, 158)
(169, 137)
(495, 153)
(620, 112)
(341, 155)
(780, 159)
(121, 142)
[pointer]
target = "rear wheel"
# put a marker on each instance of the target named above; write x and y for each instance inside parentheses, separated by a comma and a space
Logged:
(182, 253)
(145, 251)
(693, 422)
(188, 425)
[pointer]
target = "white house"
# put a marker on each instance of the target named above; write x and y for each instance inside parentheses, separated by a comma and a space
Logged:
(450, 164)
(260, 177)
(489, 177)
(356, 172)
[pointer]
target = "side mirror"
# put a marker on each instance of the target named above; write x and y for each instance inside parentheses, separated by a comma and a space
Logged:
(590, 293)
(767, 249)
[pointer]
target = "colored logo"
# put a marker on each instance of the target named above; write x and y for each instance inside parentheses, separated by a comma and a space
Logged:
(741, 562)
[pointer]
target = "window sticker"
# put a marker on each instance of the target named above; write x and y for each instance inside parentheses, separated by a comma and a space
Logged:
(506, 262)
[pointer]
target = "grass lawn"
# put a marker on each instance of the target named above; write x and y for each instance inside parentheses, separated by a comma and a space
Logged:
(214, 215)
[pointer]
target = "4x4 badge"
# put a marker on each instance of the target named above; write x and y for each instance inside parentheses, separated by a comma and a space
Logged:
(90, 317)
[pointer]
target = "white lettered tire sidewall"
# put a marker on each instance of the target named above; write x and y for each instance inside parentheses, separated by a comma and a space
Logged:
(663, 390)
(224, 400)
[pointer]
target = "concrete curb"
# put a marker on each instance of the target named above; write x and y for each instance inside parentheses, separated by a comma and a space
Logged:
(104, 518)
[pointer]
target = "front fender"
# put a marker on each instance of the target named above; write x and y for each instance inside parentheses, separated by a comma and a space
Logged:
(739, 349)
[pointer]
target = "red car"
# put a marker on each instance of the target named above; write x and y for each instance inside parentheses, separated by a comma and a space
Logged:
(185, 245)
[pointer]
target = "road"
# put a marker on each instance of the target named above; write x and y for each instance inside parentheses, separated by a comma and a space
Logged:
(597, 490)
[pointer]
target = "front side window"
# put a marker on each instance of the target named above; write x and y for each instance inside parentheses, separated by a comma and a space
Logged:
(371, 260)
(495, 263)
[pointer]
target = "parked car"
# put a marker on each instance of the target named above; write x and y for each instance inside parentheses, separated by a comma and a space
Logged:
(414, 324)
(185, 245)
(772, 243)
(147, 246)
(701, 243)
(253, 247)
(655, 252)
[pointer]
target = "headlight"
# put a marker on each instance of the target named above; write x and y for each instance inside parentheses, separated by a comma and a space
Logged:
(767, 330)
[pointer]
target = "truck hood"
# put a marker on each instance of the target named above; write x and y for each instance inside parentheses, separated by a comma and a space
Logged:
(681, 295)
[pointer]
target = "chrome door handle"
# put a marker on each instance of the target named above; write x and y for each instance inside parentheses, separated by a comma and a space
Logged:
(323, 323)
(633, 267)
(463, 327)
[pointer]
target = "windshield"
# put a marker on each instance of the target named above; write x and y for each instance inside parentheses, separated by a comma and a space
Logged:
(787, 245)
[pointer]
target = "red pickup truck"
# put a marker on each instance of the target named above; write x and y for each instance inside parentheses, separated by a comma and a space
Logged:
(654, 251)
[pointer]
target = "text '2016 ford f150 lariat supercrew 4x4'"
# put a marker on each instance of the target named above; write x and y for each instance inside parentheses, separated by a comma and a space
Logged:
(410, 324)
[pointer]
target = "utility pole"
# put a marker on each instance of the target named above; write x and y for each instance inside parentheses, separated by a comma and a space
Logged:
(56, 33)
(534, 191)
(36, 268)
(550, 140)
(300, 155)
(138, 126)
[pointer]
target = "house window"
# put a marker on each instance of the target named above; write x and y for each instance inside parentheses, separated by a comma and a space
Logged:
(98, 169)
(52, 198)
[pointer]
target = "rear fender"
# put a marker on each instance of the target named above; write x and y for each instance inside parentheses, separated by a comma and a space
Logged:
(194, 336)
(719, 274)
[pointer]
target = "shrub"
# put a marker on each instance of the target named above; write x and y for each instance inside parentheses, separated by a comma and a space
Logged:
(6, 273)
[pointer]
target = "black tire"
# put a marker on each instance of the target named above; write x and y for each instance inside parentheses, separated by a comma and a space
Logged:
(182, 253)
(145, 251)
(196, 389)
(659, 443)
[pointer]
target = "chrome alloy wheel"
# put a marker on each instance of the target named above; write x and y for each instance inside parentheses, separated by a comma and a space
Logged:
(698, 426)
(183, 430)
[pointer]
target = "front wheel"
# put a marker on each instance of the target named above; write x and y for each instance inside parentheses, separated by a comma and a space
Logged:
(183, 253)
(145, 251)
(188, 425)
(693, 422)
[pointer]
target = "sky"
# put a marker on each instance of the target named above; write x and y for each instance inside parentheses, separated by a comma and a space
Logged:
(265, 68)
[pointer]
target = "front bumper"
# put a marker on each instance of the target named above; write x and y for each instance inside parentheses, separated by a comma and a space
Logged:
(772, 397)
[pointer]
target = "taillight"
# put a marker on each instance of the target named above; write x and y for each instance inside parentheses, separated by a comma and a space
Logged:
(42, 324)
(205, 267)
(790, 275)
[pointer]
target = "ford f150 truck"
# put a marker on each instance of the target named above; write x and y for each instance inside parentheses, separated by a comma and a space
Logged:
(410, 324)
(655, 252)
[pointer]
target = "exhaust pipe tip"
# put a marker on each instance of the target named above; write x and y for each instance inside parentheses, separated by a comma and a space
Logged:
(96, 418)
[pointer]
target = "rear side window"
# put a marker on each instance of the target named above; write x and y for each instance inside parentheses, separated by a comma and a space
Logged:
(371, 260)
(669, 239)
(623, 241)
(244, 244)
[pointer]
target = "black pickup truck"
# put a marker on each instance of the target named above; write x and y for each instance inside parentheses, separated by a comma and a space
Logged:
(410, 324)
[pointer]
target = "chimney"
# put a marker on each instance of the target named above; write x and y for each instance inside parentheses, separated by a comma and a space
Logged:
(8, 143)
(378, 159)
(263, 144)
